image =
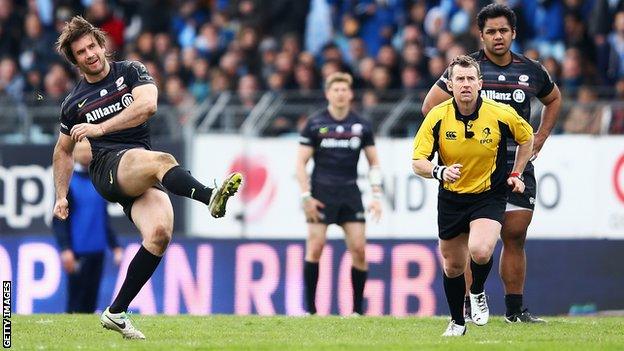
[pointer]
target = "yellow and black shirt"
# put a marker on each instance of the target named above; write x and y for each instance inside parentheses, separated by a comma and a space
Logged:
(477, 142)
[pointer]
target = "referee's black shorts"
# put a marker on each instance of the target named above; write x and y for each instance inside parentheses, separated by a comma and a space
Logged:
(456, 211)
(343, 203)
(103, 173)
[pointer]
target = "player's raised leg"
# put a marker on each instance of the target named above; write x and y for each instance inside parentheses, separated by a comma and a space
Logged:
(356, 244)
(140, 169)
(314, 248)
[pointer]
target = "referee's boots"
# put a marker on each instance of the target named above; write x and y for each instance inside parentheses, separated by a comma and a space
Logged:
(454, 329)
(228, 188)
(479, 310)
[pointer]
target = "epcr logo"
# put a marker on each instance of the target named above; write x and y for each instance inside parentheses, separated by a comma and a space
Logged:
(259, 188)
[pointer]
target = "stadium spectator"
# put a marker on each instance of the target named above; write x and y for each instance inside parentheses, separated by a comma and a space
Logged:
(615, 40)
(381, 82)
(332, 194)
(357, 52)
(11, 80)
(413, 55)
(219, 81)
(145, 47)
(435, 68)
(388, 58)
(547, 20)
(329, 68)
(162, 45)
(553, 68)
(276, 82)
(57, 83)
(101, 16)
(248, 91)
(470, 216)
(268, 53)
(287, 18)
(179, 98)
(572, 72)
(248, 40)
(199, 86)
(84, 236)
(498, 64)
(208, 43)
(248, 13)
(305, 79)
(10, 29)
(365, 68)
(616, 122)
(285, 65)
(411, 79)
(291, 44)
(576, 35)
(35, 50)
(585, 116)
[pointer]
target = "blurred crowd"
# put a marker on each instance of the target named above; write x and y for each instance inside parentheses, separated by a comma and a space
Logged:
(198, 49)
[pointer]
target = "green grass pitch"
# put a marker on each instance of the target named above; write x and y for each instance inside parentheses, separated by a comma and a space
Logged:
(83, 332)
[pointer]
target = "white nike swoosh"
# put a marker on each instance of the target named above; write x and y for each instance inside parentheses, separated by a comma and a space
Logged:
(80, 104)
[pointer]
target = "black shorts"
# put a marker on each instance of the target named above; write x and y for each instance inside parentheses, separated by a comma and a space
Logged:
(527, 198)
(456, 211)
(103, 173)
(342, 203)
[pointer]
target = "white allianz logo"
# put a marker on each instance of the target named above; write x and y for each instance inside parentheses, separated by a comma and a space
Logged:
(331, 143)
(102, 112)
(495, 95)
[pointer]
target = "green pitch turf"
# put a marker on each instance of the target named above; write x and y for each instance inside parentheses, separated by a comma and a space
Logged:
(83, 332)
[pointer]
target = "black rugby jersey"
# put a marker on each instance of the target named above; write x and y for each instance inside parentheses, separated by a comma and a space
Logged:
(337, 146)
(514, 84)
(97, 102)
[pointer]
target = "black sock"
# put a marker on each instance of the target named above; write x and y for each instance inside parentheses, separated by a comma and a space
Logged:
(455, 289)
(513, 303)
(358, 280)
(310, 277)
(479, 275)
(467, 302)
(140, 270)
(180, 182)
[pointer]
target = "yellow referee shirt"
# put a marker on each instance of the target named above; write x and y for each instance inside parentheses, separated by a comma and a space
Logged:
(478, 142)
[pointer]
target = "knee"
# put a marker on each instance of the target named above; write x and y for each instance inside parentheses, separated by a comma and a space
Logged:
(358, 254)
(454, 268)
(514, 239)
(481, 255)
(315, 249)
(160, 237)
(166, 159)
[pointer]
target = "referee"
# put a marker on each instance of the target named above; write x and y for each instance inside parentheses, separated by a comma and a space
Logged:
(514, 80)
(470, 134)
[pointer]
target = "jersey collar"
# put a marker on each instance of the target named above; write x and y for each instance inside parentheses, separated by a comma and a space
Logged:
(470, 117)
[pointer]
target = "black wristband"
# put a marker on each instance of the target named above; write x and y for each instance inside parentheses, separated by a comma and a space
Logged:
(438, 172)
